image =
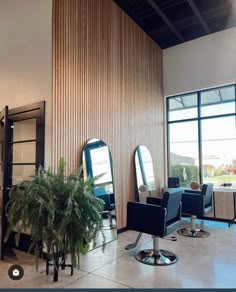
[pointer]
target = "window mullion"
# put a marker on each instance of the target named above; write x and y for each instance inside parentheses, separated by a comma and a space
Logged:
(199, 136)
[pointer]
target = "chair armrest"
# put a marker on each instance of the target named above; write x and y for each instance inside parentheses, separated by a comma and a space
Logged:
(154, 201)
(146, 218)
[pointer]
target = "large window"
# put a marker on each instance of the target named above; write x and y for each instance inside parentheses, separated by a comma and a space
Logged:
(202, 136)
(183, 145)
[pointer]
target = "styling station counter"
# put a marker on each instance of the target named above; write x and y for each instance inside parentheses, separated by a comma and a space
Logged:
(224, 204)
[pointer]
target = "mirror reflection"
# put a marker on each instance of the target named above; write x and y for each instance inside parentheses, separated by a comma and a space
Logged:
(97, 159)
(144, 174)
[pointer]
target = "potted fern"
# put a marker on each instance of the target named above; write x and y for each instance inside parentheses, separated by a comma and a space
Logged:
(62, 214)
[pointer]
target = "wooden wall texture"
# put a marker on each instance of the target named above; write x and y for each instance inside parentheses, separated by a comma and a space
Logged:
(107, 84)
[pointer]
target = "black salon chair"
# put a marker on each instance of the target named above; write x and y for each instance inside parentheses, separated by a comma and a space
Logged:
(196, 203)
(159, 217)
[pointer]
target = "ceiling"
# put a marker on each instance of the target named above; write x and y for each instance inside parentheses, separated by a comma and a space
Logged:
(172, 22)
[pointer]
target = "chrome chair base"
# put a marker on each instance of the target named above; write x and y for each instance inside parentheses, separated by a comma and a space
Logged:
(196, 233)
(156, 258)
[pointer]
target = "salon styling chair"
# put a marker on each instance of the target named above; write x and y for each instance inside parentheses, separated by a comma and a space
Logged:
(173, 182)
(158, 217)
(109, 202)
(196, 203)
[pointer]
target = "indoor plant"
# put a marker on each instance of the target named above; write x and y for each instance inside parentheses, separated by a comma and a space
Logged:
(61, 213)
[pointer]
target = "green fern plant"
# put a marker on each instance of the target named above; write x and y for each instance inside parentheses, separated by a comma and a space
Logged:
(59, 211)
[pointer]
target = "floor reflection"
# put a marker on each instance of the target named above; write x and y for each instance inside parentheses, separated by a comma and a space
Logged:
(108, 233)
(203, 263)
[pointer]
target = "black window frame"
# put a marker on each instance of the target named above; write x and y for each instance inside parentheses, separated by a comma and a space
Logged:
(199, 118)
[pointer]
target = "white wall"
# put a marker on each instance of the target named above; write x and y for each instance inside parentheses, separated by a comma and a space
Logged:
(202, 63)
(26, 56)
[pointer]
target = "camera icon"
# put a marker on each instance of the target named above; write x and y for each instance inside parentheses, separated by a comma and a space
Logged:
(16, 272)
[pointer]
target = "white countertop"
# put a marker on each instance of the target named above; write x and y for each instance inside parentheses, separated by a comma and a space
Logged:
(225, 190)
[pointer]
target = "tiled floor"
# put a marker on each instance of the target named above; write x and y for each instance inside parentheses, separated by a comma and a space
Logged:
(203, 263)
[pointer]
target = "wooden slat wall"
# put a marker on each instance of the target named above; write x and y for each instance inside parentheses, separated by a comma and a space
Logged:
(107, 84)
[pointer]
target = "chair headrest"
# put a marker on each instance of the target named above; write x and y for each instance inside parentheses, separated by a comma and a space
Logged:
(171, 201)
(207, 188)
(207, 191)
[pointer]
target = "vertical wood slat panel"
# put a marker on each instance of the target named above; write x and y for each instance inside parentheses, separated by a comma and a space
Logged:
(107, 84)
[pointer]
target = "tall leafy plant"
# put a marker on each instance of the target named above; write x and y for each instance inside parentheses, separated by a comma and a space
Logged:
(60, 212)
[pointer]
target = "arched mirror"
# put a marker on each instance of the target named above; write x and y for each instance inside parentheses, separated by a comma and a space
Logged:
(97, 159)
(144, 174)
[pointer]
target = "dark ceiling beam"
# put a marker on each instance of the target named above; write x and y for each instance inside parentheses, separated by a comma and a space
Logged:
(199, 16)
(166, 20)
(180, 24)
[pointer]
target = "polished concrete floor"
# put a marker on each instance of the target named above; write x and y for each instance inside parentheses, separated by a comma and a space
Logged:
(203, 263)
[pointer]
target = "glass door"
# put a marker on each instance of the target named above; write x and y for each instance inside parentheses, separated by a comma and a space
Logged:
(3, 171)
